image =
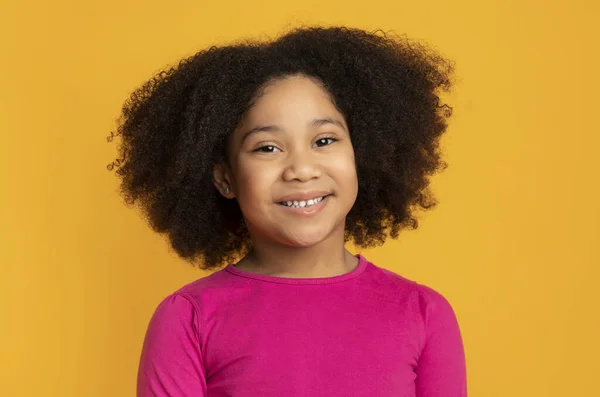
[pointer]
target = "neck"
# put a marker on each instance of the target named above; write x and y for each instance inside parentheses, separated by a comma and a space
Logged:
(326, 259)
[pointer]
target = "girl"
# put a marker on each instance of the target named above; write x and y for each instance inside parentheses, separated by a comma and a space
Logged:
(266, 158)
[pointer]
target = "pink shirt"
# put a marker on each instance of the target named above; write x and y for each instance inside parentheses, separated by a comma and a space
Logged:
(367, 333)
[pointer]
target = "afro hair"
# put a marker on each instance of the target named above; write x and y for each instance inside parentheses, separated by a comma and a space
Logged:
(174, 130)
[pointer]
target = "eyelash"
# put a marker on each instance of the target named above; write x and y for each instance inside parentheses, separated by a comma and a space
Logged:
(327, 138)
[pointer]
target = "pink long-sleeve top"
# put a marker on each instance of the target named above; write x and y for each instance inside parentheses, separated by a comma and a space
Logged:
(367, 333)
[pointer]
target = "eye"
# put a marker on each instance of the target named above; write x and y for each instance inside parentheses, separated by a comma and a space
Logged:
(325, 141)
(267, 149)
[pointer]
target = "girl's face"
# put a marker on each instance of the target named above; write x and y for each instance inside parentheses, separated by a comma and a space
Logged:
(292, 165)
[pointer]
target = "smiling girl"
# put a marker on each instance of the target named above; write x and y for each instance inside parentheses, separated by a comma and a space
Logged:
(264, 159)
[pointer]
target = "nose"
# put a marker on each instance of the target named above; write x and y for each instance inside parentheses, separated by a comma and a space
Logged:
(302, 166)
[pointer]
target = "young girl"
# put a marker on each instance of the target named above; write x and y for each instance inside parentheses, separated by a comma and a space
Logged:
(266, 158)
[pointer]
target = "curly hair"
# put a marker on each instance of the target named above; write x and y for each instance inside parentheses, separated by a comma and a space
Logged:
(174, 129)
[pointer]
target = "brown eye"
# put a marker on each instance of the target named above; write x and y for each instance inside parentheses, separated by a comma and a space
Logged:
(325, 142)
(266, 149)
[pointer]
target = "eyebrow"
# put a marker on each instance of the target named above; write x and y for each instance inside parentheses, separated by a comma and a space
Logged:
(276, 128)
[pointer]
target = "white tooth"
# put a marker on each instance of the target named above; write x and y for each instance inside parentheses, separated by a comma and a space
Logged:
(302, 203)
(310, 202)
(319, 199)
(289, 203)
(295, 203)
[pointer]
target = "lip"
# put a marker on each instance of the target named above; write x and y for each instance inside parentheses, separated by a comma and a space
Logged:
(306, 211)
(303, 196)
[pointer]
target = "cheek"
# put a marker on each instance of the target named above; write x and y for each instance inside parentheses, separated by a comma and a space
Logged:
(343, 168)
(254, 183)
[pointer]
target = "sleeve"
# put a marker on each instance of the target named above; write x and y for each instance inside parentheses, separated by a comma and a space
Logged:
(171, 362)
(441, 369)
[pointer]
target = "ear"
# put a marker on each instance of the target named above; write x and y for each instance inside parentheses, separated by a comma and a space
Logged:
(222, 178)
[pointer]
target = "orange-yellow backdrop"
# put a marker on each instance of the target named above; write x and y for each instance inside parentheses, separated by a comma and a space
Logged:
(514, 243)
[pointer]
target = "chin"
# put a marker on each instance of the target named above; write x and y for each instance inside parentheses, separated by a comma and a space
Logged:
(303, 243)
(305, 240)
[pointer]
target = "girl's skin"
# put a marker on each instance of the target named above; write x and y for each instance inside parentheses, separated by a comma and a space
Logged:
(288, 157)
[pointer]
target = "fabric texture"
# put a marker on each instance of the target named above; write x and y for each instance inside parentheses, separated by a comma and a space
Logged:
(366, 333)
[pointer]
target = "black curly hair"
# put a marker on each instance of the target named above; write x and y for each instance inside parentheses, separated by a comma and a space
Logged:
(174, 130)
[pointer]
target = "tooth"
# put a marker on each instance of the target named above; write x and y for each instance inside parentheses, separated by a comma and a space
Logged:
(289, 203)
(295, 203)
(302, 203)
(310, 202)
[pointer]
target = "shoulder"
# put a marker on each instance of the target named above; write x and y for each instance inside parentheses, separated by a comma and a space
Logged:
(431, 300)
(433, 315)
(428, 303)
(175, 311)
(437, 314)
(191, 300)
(184, 302)
(415, 291)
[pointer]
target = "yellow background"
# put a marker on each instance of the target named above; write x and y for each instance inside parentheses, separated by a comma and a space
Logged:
(514, 243)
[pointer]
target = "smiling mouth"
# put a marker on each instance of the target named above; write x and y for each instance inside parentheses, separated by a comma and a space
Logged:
(302, 203)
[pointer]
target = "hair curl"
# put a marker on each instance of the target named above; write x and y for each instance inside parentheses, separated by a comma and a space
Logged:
(175, 126)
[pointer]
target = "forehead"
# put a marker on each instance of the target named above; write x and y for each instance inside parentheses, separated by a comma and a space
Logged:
(290, 99)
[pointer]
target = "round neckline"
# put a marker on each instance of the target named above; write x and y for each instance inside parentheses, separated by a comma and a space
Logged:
(362, 264)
